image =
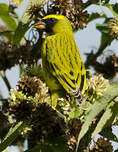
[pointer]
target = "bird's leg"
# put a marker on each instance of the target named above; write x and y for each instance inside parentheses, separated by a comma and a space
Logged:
(54, 98)
(55, 95)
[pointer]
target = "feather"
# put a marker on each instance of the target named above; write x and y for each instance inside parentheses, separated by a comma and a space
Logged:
(62, 64)
(65, 64)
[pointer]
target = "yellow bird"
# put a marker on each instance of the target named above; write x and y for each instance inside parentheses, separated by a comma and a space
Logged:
(63, 68)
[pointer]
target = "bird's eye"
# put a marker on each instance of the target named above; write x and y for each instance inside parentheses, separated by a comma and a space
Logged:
(52, 20)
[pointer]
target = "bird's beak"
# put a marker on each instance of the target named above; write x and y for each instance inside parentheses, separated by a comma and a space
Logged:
(40, 25)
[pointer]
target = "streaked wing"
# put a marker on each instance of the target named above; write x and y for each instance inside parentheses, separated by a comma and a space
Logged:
(65, 63)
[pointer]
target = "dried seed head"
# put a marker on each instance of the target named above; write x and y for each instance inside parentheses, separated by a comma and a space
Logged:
(45, 123)
(101, 145)
(36, 10)
(113, 27)
(25, 98)
(22, 110)
(31, 86)
(73, 10)
(71, 134)
(95, 87)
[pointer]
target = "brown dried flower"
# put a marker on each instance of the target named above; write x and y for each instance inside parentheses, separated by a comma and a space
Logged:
(101, 145)
(32, 86)
(45, 123)
(73, 10)
(113, 27)
(95, 87)
(72, 133)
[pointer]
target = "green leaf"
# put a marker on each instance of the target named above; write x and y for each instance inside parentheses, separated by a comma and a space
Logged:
(94, 16)
(56, 145)
(0, 94)
(6, 150)
(74, 114)
(103, 27)
(113, 8)
(20, 32)
(18, 2)
(8, 34)
(96, 108)
(7, 19)
(40, 148)
(13, 132)
(107, 133)
(106, 39)
(107, 1)
(107, 118)
(48, 148)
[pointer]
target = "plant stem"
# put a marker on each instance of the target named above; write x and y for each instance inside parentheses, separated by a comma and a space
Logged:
(2, 73)
(89, 2)
(4, 99)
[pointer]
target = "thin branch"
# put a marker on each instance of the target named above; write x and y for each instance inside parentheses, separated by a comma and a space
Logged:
(89, 2)
(4, 99)
(10, 55)
(3, 75)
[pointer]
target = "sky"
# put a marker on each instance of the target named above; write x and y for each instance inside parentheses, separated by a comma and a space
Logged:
(86, 39)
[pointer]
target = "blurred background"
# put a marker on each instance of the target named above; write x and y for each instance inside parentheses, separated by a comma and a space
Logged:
(87, 39)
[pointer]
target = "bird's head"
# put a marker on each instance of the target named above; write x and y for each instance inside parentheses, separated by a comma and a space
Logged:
(53, 24)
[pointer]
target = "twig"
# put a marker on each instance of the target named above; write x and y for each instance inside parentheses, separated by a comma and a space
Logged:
(4, 99)
(89, 2)
(10, 55)
(2, 73)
